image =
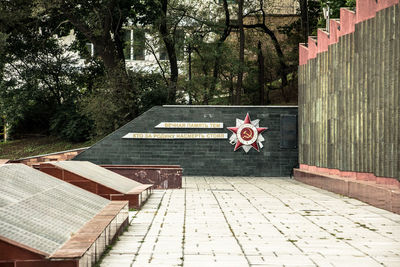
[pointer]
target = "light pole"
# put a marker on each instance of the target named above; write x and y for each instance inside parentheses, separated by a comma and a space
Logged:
(325, 11)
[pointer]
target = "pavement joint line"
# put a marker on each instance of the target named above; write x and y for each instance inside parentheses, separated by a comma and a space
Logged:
(148, 229)
(342, 240)
(280, 231)
(161, 226)
(230, 227)
(184, 224)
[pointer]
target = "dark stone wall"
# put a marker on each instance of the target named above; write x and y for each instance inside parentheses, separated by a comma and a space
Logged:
(349, 100)
(200, 157)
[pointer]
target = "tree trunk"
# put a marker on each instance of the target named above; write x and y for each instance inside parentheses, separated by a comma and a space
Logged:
(241, 54)
(261, 78)
(231, 91)
(304, 19)
(283, 68)
(170, 46)
(114, 66)
(217, 61)
(205, 85)
(190, 73)
(109, 49)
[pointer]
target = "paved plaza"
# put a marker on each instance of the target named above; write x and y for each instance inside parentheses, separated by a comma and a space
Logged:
(247, 221)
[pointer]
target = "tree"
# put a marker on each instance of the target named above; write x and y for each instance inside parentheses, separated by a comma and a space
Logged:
(241, 53)
(30, 26)
(258, 11)
(39, 94)
(168, 34)
(99, 22)
(207, 31)
(255, 23)
(304, 19)
(164, 19)
(226, 30)
(261, 78)
(41, 81)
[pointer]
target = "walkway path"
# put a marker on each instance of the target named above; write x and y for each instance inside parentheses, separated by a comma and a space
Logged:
(242, 221)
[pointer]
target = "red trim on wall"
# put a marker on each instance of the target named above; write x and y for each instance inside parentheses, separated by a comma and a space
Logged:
(365, 9)
(334, 26)
(312, 47)
(362, 176)
(379, 195)
(382, 4)
(303, 54)
(347, 21)
(323, 40)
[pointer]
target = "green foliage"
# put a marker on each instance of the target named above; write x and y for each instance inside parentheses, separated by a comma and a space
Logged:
(151, 90)
(111, 109)
(145, 12)
(351, 3)
(38, 145)
(39, 87)
(46, 88)
(334, 6)
(70, 125)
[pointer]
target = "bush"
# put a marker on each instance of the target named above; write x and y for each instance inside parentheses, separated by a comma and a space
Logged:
(71, 125)
(110, 109)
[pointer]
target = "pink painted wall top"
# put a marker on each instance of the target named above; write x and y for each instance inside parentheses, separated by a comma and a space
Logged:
(365, 9)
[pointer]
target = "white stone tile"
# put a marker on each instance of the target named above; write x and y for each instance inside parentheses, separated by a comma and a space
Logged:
(263, 221)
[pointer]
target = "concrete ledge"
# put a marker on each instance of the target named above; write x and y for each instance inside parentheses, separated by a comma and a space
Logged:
(4, 161)
(136, 196)
(228, 106)
(91, 240)
(384, 196)
(56, 156)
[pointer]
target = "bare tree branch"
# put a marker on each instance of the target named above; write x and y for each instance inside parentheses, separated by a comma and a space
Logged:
(153, 52)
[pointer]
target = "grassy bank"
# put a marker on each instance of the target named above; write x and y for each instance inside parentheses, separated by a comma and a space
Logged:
(16, 149)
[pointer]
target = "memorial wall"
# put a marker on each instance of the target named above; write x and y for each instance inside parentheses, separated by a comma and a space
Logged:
(206, 140)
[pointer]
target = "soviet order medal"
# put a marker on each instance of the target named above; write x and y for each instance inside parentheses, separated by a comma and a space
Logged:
(247, 134)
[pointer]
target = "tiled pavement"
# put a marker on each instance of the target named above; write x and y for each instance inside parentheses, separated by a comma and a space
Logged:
(243, 221)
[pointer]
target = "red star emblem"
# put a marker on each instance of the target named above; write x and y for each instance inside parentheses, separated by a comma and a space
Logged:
(247, 134)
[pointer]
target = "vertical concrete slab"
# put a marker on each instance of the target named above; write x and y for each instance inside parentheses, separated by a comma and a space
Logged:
(300, 109)
(396, 72)
(363, 45)
(354, 103)
(374, 94)
(382, 95)
(387, 101)
(392, 107)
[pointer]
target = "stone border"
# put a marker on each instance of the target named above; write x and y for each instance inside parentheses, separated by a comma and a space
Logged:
(383, 196)
(56, 156)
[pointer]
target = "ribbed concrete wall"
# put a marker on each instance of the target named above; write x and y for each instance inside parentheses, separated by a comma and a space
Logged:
(349, 100)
